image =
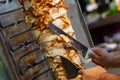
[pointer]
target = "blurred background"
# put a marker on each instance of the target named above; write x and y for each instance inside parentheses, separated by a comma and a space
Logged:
(103, 20)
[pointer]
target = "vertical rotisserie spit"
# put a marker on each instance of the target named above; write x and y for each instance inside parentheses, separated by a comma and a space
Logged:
(38, 13)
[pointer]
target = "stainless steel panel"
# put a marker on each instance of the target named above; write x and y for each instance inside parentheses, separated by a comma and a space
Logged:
(78, 22)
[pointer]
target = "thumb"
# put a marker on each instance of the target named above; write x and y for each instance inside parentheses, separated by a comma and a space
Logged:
(91, 55)
(80, 72)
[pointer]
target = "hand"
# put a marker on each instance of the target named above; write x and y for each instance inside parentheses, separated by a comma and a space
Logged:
(92, 73)
(102, 57)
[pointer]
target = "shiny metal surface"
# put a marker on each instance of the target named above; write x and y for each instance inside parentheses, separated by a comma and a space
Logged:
(76, 44)
(70, 69)
(78, 22)
(82, 49)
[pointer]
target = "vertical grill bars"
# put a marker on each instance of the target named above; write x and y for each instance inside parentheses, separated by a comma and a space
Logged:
(22, 69)
(11, 11)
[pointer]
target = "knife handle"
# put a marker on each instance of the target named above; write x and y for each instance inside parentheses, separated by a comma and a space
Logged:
(88, 62)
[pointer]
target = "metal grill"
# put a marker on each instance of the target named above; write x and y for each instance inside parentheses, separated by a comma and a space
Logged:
(27, 58)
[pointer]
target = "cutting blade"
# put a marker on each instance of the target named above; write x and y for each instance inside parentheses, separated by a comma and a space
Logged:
(70, 69)
(76, 44)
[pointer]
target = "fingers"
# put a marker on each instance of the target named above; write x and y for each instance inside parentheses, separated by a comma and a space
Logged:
(81, 72)
(94, 56)
(96, 59)
(99, 56)
(97, 63)
(98, 51)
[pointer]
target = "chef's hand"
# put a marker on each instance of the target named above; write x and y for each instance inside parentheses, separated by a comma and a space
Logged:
(92, 73)
(102, 57)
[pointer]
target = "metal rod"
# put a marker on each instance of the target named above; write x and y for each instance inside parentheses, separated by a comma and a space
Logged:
(19, 34)
(12, 24)
(11, 11)
(23, 45)
(31, 66)
(36, 76)
(28, 53)
(8, 40)
(27, 67)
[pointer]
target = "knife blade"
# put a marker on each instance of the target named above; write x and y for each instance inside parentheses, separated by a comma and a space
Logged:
(70, 69)
(76, 44)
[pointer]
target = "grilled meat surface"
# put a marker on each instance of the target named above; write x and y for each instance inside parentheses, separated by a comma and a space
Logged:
(38, 13)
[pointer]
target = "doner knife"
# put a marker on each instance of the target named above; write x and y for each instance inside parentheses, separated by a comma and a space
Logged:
(76, 44)
(70, 69)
